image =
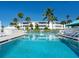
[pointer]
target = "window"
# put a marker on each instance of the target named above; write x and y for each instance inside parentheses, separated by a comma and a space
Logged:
(42, 25)
(25, 22)
(42, 22)
(25, 25)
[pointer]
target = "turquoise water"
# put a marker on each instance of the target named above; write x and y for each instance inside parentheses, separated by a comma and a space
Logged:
(36, 45)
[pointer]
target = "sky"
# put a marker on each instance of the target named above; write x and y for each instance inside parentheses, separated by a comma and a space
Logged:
(36, 9)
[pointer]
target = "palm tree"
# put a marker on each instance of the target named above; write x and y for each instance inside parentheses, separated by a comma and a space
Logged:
(37, 27)
(18, 27)
(28, 19)
(77, 18)
(15, 20)
(20, 15)
(49, 15)
(31, 25)
(27, 28)
(11, 23)
(53, 18)
(15, 23)
(63, 22)
(68, 21)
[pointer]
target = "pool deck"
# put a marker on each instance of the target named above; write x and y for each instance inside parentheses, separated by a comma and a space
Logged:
(10, 37)
(66, 36)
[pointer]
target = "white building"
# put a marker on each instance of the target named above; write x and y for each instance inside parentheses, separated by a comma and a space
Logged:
(41, 24)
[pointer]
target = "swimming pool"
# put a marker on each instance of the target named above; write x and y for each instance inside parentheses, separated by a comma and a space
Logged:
(36, 45)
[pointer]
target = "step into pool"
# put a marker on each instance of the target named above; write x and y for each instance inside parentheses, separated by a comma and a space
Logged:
(36, 45)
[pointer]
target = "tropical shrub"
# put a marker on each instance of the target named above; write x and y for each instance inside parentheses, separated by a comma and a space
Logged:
(36, 28)
(46, 29)
(18, 27)
(31, 25)
(27, 29)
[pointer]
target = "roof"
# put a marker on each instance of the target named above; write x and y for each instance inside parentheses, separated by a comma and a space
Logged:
(74, 23)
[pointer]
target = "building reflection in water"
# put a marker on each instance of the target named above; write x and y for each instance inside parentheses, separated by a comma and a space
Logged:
(40, 36)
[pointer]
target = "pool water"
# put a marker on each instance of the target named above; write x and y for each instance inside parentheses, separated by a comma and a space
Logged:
(36, 45)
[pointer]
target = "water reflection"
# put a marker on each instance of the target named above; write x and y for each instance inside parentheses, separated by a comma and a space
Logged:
(40, 36)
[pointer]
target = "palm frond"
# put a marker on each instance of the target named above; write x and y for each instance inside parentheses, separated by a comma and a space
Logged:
(44, 18)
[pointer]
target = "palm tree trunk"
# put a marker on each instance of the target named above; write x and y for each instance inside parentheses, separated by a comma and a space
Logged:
(48, 23)
(63, 26)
